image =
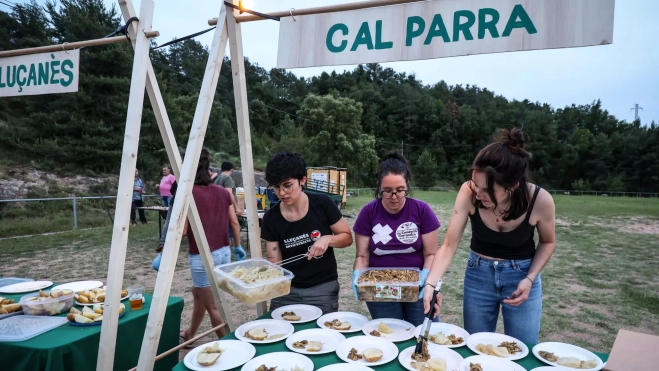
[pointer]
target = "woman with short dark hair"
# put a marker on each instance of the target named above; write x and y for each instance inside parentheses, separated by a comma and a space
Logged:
(303, 223)
(503, 269)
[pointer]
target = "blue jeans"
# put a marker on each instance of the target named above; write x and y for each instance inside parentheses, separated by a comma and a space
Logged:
(410, 312)
(197, 271)
(163, 234)
(487, 283)
(165, 201)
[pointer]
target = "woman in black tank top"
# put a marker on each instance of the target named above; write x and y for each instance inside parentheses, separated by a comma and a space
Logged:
(503, 269)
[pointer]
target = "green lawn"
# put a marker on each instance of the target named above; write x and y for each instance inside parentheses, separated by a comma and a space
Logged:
(602, 277)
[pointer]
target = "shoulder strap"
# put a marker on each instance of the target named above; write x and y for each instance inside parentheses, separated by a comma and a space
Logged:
(535, 195)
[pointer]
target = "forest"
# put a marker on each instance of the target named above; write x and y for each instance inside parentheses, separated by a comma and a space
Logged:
(344, 119)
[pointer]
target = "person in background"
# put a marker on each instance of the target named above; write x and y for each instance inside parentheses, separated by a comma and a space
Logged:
(396, 231)
(225, 180)
(138, 199)
(503, 268)
(217, 215)
(165, 185)
(163, 233)
(303, 224)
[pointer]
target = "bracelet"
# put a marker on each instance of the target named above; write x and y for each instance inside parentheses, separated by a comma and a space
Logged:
(430, 284)
(529, 279)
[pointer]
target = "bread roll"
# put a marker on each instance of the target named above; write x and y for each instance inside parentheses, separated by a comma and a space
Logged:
(571, 362)
(314, 346)
(256, 334)
(209, 355)
(372, 354)
(292, 318)
(437, 364)
(343, 326)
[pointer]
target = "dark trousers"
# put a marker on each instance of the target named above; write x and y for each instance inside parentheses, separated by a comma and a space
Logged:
(137, 203)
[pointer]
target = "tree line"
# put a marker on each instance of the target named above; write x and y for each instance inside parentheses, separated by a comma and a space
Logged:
(344, 119)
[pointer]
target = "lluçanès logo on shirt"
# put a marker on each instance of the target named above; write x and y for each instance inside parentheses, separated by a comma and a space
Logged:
(302, 239)
(382, 234)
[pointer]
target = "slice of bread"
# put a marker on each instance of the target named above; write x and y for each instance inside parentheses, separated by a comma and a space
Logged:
(209, 355)
(437, 364)
(256, 334)
(314, 346)
(372, 354)
(343, 326)
(292, 318)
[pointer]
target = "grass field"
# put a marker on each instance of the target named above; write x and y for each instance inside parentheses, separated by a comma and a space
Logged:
(601, 278)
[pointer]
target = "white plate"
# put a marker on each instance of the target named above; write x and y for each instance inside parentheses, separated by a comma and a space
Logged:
(329, 338)
(356, 320)
(19, 288)
(345, 367)
(490, 363)
(495, 339)
(403, 330)
(307, 313)
(567, 350)
(447, 329)
(79, 286)
(236, 353)
(91, 304)
(271, 326)
(451, 357)
(361, 343)
(281, 360)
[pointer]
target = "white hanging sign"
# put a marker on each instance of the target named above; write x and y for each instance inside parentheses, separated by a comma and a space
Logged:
(36, 74)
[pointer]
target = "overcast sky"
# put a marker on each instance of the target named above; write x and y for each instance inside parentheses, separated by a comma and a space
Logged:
(619, 74)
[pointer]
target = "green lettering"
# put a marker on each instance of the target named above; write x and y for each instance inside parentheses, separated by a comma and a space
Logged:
(11, 76)
(437, 28)
(378, 38)
(54, 71)
(68, 73)
(43, 73)
(32, 76)
(328, 40)
(491, 25)
(363, 38)
(464, 27)
(523, 22)
(411, 33)
(19, 80)
(2, 84)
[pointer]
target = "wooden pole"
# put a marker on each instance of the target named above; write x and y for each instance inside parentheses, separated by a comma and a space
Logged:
(115, 280)
(171, 147)
(71, 46)
(183, 197)
(318, 10)
(182, 345)
(244, 138)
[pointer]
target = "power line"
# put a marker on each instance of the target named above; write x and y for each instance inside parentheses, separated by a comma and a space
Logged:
(635, 109)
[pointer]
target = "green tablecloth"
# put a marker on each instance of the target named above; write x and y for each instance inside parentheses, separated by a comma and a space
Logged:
(76, 348)
(322, 360)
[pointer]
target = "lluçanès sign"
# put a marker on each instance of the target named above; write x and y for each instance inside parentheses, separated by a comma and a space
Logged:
(35, 74)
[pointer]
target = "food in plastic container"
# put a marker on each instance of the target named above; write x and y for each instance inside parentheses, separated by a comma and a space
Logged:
(47, 304)
(388, 284)
(254, 280)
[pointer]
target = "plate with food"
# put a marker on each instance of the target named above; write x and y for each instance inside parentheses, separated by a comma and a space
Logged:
(445, 334)
(219, 355)
(90, 316)
(487, 363)
(22, 287)
(389, 328)
(367, 350)
(279, 361)
(342, 321)
(314, 341)
(497, 345)
(264, 331)
(8, 308)
(567, 355)
(95, 296)
(297, 313)
(79, 286)
(434, 358)
(346, 367)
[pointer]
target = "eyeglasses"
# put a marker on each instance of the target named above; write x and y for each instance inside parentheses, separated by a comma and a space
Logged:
(401, 193)
(283, 188)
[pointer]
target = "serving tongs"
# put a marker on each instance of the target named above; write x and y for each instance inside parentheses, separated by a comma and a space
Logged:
(291, 259)
(427, 322)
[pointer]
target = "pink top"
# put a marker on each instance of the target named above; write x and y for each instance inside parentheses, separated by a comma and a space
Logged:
(166, 185)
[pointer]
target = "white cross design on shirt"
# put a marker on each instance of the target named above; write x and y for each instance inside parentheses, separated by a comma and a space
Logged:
(382, 234)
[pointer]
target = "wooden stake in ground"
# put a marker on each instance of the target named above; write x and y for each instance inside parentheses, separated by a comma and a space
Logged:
(125, 191)
(183, 197)
(244, 137)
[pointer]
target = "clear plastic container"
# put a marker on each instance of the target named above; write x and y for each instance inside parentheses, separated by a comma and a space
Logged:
(388, 290)
(21, 328)
(252, 293)
(46, 306)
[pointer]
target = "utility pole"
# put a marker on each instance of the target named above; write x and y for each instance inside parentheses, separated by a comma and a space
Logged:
(401, 148)
(635, 109)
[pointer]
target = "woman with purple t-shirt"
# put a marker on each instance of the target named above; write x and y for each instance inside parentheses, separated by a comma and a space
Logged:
(396, 231)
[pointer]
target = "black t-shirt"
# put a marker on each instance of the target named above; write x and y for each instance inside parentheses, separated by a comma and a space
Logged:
(296, 238)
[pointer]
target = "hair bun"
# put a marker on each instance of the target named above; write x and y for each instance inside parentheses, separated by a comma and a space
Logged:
(515, 140)
(394, 155)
